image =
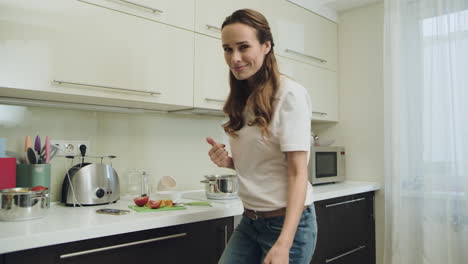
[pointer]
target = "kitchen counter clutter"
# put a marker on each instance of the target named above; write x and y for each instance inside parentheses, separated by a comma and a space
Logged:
(67, 224)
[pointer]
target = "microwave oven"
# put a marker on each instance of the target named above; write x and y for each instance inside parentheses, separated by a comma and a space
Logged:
(326, 164)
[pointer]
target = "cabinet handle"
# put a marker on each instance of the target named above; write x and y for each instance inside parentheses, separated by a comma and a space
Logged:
(107, 87)
(345, 202)
(344, 254)
(319, 113)
(214, 100)
(213, 27)
(86, 252)
(154, 10)
(305, 55)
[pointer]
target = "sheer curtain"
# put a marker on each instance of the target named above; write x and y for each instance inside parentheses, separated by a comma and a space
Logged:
(426, 126)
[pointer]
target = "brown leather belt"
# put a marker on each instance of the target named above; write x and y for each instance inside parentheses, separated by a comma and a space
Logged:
(254, 215)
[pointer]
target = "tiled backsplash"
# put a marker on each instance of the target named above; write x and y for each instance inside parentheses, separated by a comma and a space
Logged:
(161, 144)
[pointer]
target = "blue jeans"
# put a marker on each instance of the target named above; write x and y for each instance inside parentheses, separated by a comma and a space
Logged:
(252, 239)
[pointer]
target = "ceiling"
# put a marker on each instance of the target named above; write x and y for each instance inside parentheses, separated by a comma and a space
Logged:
(342, 5)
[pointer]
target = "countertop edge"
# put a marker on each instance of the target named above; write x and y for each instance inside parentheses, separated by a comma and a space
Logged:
(36, 239)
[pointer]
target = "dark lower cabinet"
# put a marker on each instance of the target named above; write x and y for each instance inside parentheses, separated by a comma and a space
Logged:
(346, 235)
(201, 242)
(346, 230)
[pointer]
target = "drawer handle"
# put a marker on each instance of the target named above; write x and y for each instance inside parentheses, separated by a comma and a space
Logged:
(345, 202)
(154, 10)
(225, 236)
(305, 55)
(213, 27)
(86, 252)
(107, 87)
(344, 254)
(319, 113)
(214, 100)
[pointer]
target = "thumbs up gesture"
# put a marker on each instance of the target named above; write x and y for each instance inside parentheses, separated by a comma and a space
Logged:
(219, 155)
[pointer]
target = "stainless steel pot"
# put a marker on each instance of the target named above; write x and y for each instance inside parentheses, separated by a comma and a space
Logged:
(18, 204)
(221, 187)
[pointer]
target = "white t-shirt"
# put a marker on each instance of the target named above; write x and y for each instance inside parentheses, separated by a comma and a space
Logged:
(260, 162)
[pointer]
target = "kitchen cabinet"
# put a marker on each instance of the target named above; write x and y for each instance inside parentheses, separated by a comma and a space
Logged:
(346, 230)
(321, 84)
(200, 242)
(179, 13)
(304, 36)
(210, 14)
(211, 86)
(77, 52)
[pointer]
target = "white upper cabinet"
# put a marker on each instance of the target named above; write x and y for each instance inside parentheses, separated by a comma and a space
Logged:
(210, 14)
(67, 48)
(304, 36)
(173, 12)
(320, 83)
(211, 74)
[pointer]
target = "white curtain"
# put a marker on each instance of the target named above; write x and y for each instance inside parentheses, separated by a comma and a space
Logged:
(426, 131)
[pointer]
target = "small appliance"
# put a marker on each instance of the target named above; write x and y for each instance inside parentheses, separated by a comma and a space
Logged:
(326, 165)
(91, 184)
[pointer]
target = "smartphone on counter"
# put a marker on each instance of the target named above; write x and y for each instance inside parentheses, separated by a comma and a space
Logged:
(112, 211)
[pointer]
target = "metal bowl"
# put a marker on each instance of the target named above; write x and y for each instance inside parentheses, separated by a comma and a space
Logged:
(18, 204)
(221, 187)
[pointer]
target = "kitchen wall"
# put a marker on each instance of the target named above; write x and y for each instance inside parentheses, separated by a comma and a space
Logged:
(361, 126)
(161, 144)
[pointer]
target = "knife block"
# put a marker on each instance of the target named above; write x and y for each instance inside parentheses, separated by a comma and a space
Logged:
(30, 175)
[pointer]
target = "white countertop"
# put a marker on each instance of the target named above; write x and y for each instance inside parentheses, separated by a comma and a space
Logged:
(66, 224)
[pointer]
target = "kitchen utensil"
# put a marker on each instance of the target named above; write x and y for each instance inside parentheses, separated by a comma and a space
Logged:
(47, 149)
(92, 183)
(221, 186)
(23, 204)
(52, 152)
(166, 183)
(32, 156)
(27, 144)
(194, 204)
(37, 145)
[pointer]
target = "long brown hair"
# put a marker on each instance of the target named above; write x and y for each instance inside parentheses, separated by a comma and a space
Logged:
(259, 96)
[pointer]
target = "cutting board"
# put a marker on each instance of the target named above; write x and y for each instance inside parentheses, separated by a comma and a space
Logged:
(148, 209)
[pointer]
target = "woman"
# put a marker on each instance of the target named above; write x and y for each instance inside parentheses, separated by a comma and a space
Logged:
(269, 130)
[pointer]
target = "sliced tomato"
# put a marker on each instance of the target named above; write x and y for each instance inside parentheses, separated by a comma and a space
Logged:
(141, 201)
(154, 204)
(38, 188)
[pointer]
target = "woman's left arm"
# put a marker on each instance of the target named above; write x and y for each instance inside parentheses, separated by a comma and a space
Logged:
(297, 187)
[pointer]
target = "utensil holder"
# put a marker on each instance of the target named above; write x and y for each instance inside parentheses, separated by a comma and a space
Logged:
(30, 175)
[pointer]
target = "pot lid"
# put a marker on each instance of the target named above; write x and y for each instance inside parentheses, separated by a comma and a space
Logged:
(220, 176)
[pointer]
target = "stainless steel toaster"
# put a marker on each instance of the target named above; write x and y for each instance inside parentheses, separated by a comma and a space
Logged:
(90, 184)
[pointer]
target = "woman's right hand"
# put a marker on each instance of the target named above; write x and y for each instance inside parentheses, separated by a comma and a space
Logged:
(219, 155)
